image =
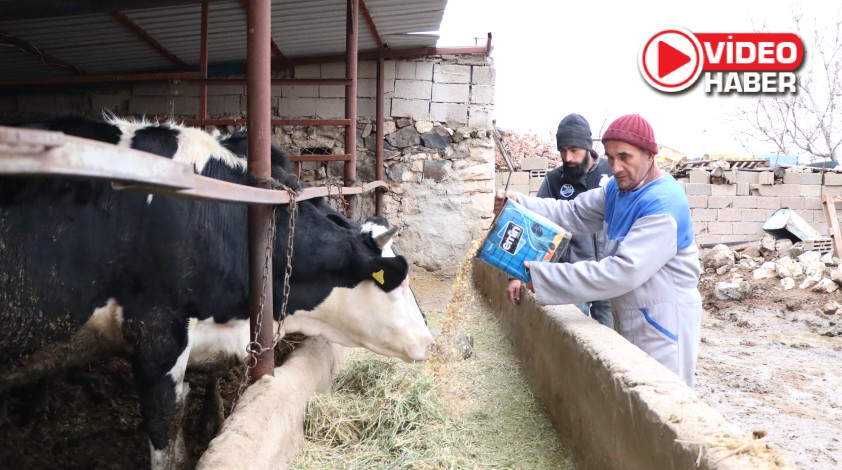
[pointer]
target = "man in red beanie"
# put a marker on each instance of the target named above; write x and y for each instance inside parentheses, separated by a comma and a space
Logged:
(651, 273)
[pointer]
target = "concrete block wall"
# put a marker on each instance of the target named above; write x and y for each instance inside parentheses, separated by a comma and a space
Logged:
(724, 213)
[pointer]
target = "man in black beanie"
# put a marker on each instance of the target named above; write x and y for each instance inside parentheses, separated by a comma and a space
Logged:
(581, 170)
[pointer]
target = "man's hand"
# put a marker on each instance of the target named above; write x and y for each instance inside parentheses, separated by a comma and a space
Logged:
(500, 199)
(513, 291)
(529, 284)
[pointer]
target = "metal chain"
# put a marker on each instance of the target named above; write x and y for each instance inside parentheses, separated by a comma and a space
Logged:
(254, 349)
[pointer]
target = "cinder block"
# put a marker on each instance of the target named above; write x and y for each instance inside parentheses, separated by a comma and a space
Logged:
(152, 89)
(186, 105)
(447, 73)
(334, 91)
(418, 109)
(365, 69)
(810, 190)
(456, 113)
(451, 92)
(792, 202)
(697, 189)
(237, 90)
(742, 189)
(534, 163)
(729, 215)
(747, 228)
(367, 107)
(755, 215)
(778, 190)
(519, 188)
(520, 178)
(223, 104)
(765, 177)
(699, 177)
(149, 105)
(309, 71)
(535, 183)
(790, 178)
(720, 228)
(297, 107)
(704, 215)
(482, 94)
(832, 190)
(718, 202)
(750, 177)
(813, 203)
(366, 88)
(768, 203)
(424, 71)
(405, 70)
(810, 178)
(483, 76)
(300, 91)
(697, 202)
(708, 239)
(413, 89)
(479, 117)
(330, 108)
(745, 202)
(833, 179)
(723, 190)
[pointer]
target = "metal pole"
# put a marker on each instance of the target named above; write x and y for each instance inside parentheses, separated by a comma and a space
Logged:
(378, 151)
(351, 41)
(260, 134)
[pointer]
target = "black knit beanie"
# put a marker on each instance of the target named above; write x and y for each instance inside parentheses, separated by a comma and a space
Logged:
(574, 131)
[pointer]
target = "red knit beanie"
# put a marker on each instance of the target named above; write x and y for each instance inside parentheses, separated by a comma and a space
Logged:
(632, 129)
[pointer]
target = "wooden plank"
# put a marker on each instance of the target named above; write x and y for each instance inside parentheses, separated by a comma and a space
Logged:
(829, 206)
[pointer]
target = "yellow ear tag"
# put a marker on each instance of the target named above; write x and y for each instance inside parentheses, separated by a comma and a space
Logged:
(378, 276)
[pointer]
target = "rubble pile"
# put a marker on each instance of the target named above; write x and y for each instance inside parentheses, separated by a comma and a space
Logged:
(772, 259)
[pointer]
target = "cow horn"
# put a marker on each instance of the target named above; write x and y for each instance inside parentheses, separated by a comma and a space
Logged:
(384, 237)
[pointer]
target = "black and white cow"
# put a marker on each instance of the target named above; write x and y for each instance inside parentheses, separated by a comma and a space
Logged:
(86, 270)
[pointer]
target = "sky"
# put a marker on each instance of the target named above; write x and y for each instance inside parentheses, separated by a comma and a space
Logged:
(553, 58)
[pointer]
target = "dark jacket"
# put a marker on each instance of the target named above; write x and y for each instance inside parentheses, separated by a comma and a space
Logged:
(583, 247)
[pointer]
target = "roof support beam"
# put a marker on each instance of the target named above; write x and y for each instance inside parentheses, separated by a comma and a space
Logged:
(371, 26)
(47, 58)
(38, 9)
(148, 38)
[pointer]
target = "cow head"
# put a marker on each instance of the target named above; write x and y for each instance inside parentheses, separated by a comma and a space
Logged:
(370, 305)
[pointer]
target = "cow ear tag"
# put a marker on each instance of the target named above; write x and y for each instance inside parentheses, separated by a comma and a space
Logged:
(378, 276)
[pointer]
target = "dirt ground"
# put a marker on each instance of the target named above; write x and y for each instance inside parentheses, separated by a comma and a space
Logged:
(772, 363)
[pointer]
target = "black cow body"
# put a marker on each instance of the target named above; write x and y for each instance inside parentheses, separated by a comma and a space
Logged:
(167, 279)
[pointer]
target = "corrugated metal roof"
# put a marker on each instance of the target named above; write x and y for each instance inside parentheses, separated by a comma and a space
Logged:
(99, 43)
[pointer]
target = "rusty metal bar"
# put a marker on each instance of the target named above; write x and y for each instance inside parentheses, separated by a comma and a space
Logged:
(147, 38)
(38, 9)
(488, 44)
(320, 158)
(277, 81)
(351, 45)
(371, 26)
(259, 99)
(116, 78)
(47, 58)
(275, 122)
(30, 152)
(379, 133)
(203, 63)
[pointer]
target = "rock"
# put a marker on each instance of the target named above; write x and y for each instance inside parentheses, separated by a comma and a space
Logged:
(719, 256)
(783, 246)
(767, 245)
(810, 281)
(825, 285)
(793, 305)
(836, 274)
(747, 263)
(405, 137)
(787, 283)
(436, 139)
(723, 269)
(828, 259)
(766, 271)
(831, 307)
(788, 267)
(808, 257)
(751, 252)
(436, 170)
(423, 126)
(736, 289)
(814, 267)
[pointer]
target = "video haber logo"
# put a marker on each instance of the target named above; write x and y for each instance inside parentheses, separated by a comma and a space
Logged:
(673, 59)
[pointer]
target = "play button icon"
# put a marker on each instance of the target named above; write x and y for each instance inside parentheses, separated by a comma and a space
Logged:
(671, 60)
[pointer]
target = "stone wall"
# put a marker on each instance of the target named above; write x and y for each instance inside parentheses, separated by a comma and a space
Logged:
(439, 155)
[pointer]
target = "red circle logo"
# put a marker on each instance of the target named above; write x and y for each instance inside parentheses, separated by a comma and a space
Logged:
(671, 60)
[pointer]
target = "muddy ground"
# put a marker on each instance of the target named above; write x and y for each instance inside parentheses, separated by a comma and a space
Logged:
(773, 363)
